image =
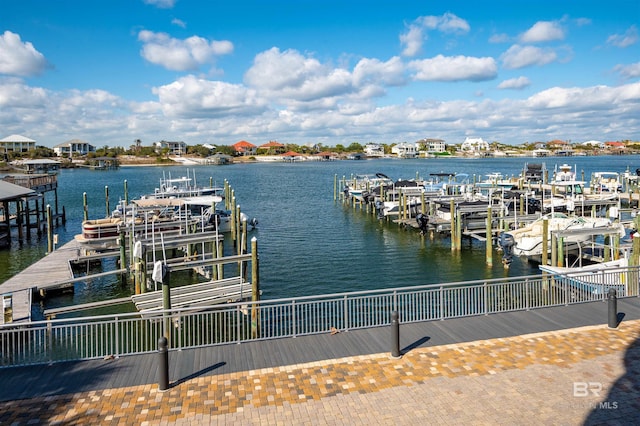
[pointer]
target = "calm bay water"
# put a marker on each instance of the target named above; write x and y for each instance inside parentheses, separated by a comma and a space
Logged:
(308, 244)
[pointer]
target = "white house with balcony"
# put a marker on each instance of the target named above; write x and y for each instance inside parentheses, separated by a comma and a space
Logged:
(374, 150)
(16, 143)
(405, 150)
(432, 146)
(73, 147)
(474, 145)
(174, 148)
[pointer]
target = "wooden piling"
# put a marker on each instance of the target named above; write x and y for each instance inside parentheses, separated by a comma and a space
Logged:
(49, 230)
(452, 206)
(19, 213)
(106, 197)
(458, 230)
(560, 261)
(545, 241)
(123, 255)
(554, 249)
(85, 208)
(488, 241)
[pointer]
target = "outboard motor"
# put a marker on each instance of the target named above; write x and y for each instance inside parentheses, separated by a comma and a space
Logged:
(253, 222)
(379, 205)
(366, 197)
(506, 242)
(423, 222)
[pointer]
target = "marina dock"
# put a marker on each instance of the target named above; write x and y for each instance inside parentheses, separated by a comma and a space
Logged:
(51, 272)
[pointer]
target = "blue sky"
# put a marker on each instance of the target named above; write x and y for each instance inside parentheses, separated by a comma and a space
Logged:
(330, 72)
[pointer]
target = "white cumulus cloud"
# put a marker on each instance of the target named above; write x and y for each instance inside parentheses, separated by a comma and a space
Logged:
(543, 31)
(518, 56)
(415, 35)
(454, 68)
(181, 55)
(18, 57)
(515, 83)
(195, 97)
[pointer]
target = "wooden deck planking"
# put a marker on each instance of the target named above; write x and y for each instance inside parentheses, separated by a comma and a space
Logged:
(44, 272)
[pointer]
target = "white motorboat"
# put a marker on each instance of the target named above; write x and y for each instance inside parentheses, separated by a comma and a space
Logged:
(570, 194)
(204, 210)
(361, 185)
(184, 186)
(566, 173)
(606, 182)
(497, 180)
(527, 241)
(104, 234)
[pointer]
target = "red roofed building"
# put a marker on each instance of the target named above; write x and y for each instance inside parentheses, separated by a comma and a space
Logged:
(272, 147)
(615, 147)
(244, 148)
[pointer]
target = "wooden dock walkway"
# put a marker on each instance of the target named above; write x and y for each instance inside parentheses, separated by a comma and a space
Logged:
(83, 376)
(52, 271)
(48, 271)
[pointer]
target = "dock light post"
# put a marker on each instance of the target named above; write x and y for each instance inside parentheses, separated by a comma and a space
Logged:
(613, 308)
(163, 364)
(395, 335)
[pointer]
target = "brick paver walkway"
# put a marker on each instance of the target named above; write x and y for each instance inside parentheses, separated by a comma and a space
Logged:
(577, 376)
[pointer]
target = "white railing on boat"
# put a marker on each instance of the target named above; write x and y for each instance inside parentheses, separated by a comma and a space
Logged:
(130, 333)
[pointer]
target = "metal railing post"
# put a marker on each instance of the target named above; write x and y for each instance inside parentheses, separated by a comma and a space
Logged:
(486, 298)
(117, 337)
(293, 319)
(347, 316)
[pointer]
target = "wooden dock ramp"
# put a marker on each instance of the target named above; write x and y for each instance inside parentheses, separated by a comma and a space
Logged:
(202, 294)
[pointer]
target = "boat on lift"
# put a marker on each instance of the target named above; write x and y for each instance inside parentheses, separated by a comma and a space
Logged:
(527, 241)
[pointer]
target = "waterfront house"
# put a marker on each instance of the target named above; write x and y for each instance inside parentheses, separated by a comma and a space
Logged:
(474, 145)
(16, 143)
(175, 148)
(272, 148)
(615, 147)
(432, 146)
(405, 150)
(244, 148)
(74, 147)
